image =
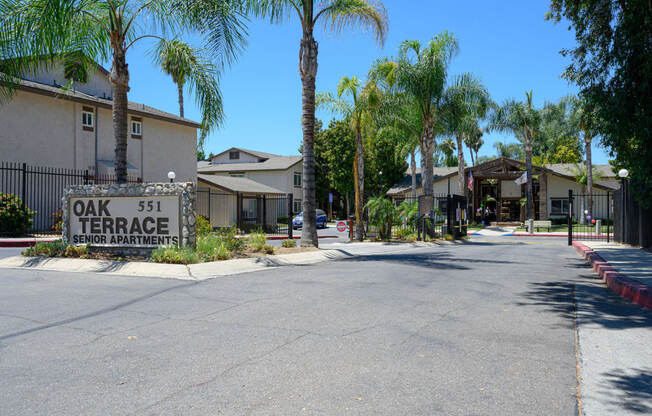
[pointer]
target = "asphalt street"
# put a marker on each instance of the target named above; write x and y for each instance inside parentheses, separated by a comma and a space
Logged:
(480, 328)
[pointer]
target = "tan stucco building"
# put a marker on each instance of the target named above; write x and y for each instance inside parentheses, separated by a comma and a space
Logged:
(277, 173)
(72, 128)
(495, 189)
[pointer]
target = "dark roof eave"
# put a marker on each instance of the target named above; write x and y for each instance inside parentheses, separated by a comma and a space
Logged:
(101, 103)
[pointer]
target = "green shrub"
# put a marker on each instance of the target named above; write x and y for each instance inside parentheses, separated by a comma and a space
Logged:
(175, 255)
(409, 211)
(257, 240)
(289, 243)
(449, 237)
(230, 237)
(57, 217)
(203, 226)
(382, 214)
(403, 232)
(14, 218)
(268, 249)
(54, 248)
(212, 247)
(75, 251)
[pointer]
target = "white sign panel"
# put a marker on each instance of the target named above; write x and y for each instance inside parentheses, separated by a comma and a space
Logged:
(141, 221)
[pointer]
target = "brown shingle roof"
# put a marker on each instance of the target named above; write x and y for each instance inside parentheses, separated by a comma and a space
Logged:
(134, 108)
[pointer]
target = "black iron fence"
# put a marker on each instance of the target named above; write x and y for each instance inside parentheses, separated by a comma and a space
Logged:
(41, 189)
(632, 223)
(590, 216)
(271, 214)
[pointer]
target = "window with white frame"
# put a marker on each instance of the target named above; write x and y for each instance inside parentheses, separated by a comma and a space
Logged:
(88, 118)
(136, 127)
(297, 178)
(558, 206)
(297, 207)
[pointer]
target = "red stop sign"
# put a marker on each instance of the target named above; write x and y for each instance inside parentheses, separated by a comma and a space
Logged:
(341, 226)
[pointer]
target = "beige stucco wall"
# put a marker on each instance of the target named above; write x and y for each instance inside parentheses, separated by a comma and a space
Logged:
(244, 158)
(558, 188)
(279, 179)
(47, 131)
(98, 83)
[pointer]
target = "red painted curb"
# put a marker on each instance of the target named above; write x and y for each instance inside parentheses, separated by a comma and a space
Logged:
(626, 287)
(22, 243)
(295, 237)
(540, 235)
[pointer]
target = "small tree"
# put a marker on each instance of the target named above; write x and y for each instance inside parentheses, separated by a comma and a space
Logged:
(382, 214)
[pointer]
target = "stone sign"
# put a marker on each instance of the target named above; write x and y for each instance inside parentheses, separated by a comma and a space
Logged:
(125, 221)
(130, 216)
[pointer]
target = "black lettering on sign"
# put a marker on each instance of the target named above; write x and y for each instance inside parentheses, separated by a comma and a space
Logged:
(90, 209)
(135, 227)
(103, 208)
(83, 221)
(162, 226)
(121, 225)
(147, 229)
(95, 225)
(78, 208)
(107, 225)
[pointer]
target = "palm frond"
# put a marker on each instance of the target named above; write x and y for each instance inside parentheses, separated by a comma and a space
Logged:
(363, 14)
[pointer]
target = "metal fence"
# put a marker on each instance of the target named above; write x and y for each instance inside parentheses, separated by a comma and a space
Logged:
(632, 223)
(41, 189)
(590, 216)
(272, 215)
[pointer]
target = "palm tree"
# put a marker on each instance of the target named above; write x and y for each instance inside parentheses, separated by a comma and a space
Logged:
(508, 150)
(363, 100)
(586, 118)
(40, 32)
(465, 102)
(421, 75)
(474, 142)
(521, 119)
(335, 15)
(399, 110)
(186, 65)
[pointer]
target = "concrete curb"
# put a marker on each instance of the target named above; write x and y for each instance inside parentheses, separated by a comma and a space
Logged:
(197, 272)
(631, 289)
(24, 242)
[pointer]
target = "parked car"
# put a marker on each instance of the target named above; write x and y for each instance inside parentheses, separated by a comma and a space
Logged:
(322, 219)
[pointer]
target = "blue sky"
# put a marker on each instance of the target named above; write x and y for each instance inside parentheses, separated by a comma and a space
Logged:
(506, 43)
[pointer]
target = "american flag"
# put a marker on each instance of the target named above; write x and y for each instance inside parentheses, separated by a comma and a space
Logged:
(470, 183)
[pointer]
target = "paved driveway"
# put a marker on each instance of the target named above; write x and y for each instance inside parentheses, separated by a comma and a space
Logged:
(474, 329)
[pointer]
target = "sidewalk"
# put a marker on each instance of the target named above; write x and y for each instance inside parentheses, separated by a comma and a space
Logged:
(626, 270)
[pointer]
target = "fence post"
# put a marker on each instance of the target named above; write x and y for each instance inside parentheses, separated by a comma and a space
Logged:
(290, 214)
(608, 213)
(449, 211)
(23, 195)
(264, 211)
(238, 207)
(570, 217)
(86, 177)
(210, 191)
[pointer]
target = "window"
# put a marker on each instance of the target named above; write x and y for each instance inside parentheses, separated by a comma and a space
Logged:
(136, 127)
(297, 207)
(559, 206)
(235, 155)
(88, 118)
(237, 174)
(297, 178)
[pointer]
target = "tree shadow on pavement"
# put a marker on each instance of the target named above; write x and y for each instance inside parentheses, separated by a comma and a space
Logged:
(631, 390)
(439, 260)
(596, 303)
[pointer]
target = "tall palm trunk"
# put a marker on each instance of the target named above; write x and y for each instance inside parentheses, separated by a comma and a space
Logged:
(359, 185)
(589, 172)
(528, 170)
(308, 71)
(471, 152)
(460, 163)
(180, 91)
(120, 87)
(427, 151)
(413, 172)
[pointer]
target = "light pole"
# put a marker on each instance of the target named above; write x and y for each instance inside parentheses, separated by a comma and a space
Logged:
(171, 176)
(623, 173)
(381, 183)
